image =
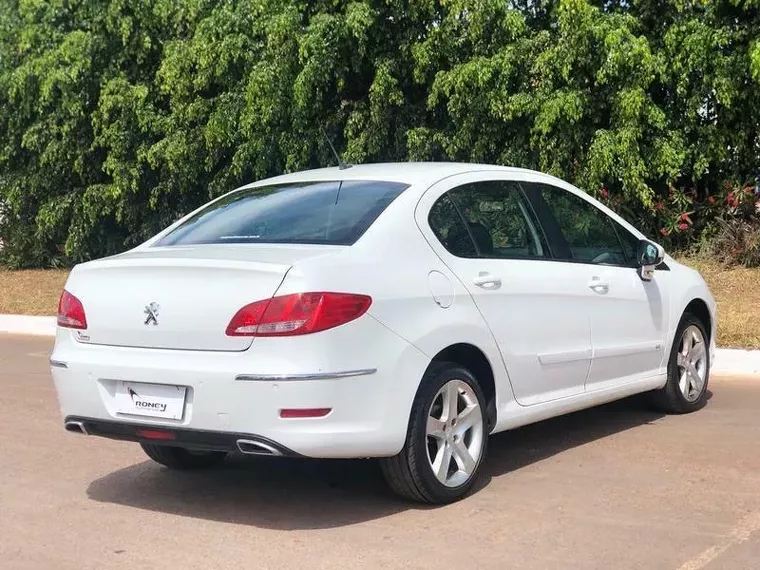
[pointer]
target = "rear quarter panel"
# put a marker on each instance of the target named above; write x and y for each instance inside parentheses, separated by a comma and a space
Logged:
(392, 263)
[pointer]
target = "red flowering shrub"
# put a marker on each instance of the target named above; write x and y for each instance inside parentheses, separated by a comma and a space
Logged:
(736, 240)
(725, 223)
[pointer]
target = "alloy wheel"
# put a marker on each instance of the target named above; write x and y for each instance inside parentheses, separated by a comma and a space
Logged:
(692, 363)
(454, 433)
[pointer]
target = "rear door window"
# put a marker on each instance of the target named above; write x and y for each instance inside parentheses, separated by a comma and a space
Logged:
(500, 220)
(330, 213)
(448, 226)
(488, 219)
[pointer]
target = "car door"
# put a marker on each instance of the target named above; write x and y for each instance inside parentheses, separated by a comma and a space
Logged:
(628, 315)
(486, 233)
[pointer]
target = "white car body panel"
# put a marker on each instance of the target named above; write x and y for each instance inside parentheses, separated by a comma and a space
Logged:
(199, 287)
(554, 345)
(369, 412)
(687, 286)
(628, 325)
(544, 362)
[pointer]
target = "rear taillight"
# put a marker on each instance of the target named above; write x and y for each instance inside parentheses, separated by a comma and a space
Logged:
(300, 313)
(71, 312)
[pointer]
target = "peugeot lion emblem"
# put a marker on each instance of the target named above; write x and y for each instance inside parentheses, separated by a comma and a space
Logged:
(152, 312)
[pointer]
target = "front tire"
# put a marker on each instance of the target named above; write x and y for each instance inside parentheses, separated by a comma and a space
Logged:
(688, 369)
(446, 441)
(181, 458)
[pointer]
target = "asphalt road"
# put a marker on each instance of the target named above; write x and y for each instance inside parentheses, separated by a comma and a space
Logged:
(617, 487)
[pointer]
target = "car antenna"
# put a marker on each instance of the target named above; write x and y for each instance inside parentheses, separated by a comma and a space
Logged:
(341, 165)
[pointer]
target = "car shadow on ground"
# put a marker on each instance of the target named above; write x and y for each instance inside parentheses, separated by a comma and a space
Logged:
(294, 494)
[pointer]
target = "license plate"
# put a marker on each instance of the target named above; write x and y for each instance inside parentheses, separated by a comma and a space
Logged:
(154, 400)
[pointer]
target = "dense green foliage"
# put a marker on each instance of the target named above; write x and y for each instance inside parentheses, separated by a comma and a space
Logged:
(117, 116)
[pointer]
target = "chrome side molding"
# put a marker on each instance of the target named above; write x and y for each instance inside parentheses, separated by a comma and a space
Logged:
(298, 377)
(58, 363)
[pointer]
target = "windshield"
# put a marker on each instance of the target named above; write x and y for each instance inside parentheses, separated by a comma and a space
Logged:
(331, 213)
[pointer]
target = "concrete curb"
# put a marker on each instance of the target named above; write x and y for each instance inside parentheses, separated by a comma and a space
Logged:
(737, 361)
(23, 324)
(727, 360)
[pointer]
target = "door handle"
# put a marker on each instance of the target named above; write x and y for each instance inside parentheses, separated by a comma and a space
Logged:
(487, 281)
(599, 285)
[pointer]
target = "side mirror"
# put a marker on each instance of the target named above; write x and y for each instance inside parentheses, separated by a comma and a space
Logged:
(648, 256)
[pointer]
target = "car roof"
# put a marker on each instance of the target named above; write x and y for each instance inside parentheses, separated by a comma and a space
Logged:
(422, 175)
(411, 173)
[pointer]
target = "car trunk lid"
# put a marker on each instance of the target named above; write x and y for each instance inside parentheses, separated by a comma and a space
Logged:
(179, 297)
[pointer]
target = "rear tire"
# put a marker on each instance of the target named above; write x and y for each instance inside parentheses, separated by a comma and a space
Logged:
(181, 458)
(446, 441)
(688, 369)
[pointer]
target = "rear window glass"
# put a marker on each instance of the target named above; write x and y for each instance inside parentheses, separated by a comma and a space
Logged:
(332, 213)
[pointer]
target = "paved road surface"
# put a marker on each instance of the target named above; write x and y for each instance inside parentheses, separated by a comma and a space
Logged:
(618, 487)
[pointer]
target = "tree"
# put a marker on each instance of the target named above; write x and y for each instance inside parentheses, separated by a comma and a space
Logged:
(117, 117)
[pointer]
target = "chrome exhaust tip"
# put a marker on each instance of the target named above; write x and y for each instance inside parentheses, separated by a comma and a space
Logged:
(251, 447)
(76, 427)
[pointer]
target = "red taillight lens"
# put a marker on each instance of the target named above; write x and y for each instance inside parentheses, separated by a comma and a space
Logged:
(71, 312)
(300, 313)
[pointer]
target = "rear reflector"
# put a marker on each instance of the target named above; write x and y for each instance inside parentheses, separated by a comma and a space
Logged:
(289, 413)
(71, 312)
(155, 434)
(296, 314)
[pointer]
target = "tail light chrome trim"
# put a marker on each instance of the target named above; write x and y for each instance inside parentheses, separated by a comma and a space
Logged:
(299, 377)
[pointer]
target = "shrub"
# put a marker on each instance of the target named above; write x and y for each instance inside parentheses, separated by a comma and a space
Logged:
(118, 116)
(737, 243)
(723, 224)
(736, 236)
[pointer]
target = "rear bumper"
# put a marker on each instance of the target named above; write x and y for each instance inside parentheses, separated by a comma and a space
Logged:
(241, 394)
(188, 438)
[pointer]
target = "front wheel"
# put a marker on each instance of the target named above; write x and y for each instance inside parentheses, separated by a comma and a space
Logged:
(688, 369)
(446, 440)
(181, 458)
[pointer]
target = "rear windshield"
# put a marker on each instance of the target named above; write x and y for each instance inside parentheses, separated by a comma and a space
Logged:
(332, 213)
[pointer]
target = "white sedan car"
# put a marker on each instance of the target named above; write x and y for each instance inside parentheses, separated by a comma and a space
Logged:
(397, 311)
